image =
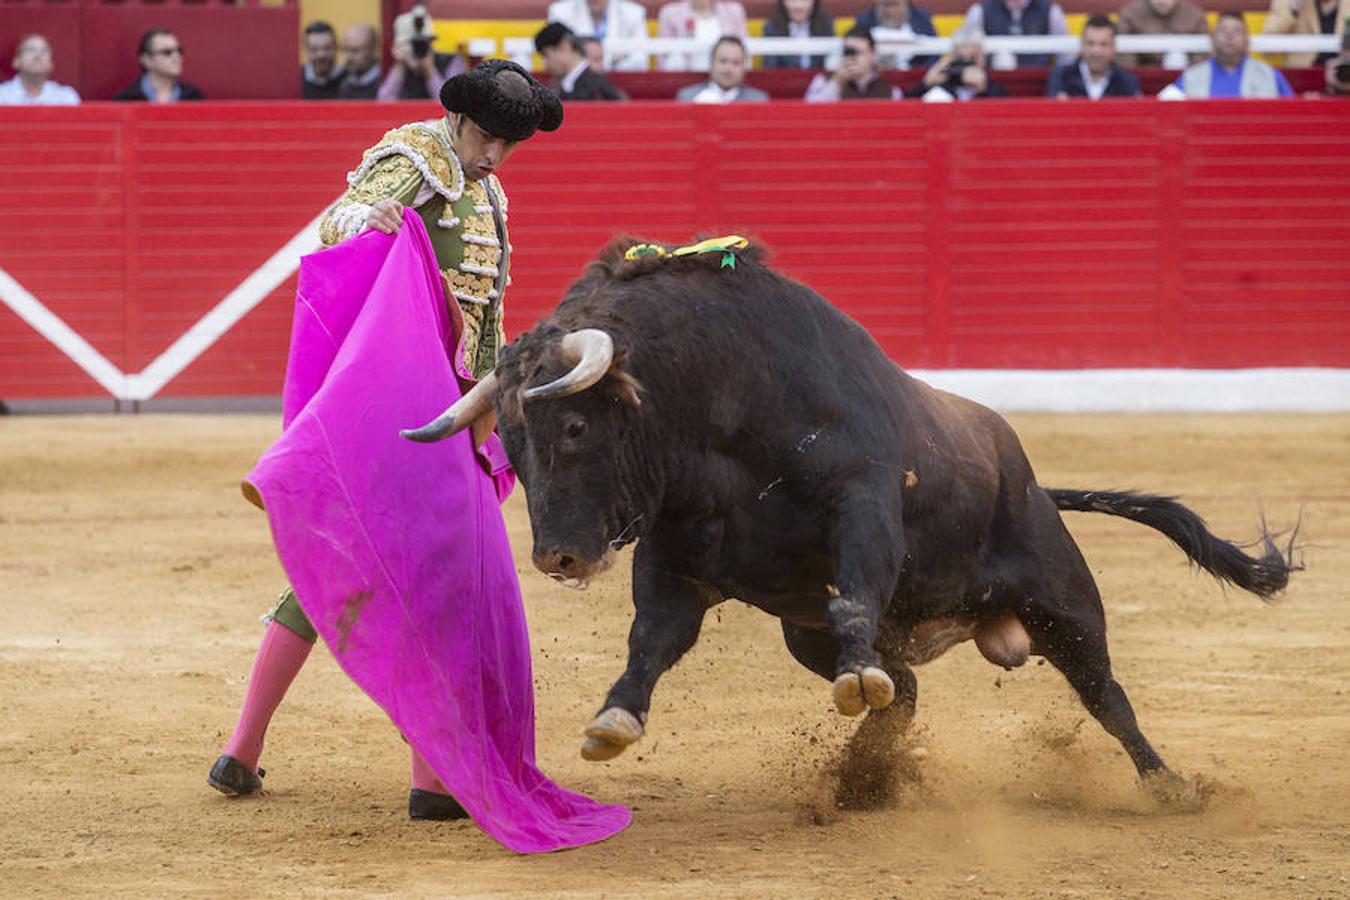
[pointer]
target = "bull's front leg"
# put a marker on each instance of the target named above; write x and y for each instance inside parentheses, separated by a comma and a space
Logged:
(869, 552)
(669, 615)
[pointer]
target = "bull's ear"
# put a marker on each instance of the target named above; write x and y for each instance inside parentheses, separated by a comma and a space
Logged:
(620, 384)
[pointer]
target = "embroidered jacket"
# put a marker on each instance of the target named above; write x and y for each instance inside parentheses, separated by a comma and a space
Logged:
(416, 165)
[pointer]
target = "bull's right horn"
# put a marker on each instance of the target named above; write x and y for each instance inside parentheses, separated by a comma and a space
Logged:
(591, 351)
(465, 411)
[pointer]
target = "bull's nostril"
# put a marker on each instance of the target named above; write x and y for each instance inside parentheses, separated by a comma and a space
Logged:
(565, 563)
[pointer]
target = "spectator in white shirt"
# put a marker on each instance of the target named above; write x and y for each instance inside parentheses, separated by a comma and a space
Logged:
(32, 82)
(605, 20)
(726, 81)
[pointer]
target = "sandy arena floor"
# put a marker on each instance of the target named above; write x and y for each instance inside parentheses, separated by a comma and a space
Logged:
(134, 572)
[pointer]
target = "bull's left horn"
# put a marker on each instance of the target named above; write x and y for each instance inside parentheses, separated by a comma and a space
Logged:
(465, 411)
(591, 351)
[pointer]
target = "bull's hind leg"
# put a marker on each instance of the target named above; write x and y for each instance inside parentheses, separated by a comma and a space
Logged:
(1074, 641)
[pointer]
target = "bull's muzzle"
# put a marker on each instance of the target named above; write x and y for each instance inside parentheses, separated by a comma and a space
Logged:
(569, 564)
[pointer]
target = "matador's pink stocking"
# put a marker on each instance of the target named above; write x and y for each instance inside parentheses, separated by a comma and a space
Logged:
(282, 654)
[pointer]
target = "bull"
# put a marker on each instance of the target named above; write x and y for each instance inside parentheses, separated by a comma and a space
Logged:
(757, 444)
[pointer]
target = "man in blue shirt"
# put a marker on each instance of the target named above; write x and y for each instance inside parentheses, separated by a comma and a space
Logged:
(1230, 72)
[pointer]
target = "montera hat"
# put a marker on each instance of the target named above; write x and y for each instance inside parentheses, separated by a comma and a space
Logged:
(503, 99)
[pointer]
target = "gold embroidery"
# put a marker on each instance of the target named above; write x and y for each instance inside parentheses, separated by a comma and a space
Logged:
(470, 287)
(427, 144)
(484, 257)
(394, 177)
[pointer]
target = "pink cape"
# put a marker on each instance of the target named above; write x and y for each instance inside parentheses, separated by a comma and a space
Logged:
(397, 551)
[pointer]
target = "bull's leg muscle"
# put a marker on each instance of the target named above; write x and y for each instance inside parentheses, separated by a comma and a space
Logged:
(669, 616)
(868, 547)
(1078, 650)
(815, 649)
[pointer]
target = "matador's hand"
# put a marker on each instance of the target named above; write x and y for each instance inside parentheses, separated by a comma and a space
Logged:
(386, 216)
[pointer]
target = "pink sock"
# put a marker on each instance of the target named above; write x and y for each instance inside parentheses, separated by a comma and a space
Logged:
(423, 779)
(280, 657)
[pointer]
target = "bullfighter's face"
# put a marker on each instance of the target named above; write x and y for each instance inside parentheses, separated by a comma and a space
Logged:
(479, 151)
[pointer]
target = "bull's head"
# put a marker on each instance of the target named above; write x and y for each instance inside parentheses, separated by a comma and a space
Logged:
(571, 441)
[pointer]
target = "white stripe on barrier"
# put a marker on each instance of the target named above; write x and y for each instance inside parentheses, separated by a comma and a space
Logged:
(182, 352)
(53, 328)
(1010, 390)
(226, 313)
(1149, 390)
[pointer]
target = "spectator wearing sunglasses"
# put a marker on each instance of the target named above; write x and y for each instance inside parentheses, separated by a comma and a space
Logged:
(161, 59)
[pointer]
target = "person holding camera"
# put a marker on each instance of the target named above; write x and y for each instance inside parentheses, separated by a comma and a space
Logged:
(417, 73)
(857, 77)
(961, 74)
(1338, 75)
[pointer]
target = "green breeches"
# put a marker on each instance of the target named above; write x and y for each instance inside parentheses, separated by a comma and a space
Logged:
(286, 611)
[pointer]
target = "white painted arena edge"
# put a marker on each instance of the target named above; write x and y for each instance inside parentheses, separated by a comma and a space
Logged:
(1305, 390)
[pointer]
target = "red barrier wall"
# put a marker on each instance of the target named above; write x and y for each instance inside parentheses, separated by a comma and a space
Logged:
(1016, 234)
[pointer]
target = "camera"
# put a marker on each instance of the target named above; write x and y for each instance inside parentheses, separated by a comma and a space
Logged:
(421, 43)
(956, 71)
(1342, 71)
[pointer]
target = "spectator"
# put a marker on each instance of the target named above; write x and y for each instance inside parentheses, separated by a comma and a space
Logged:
(1161, 17)
(361, 55)
(1230, 72)
(798, 19)
(565, 59)
(1306, 17)
(857, 77)
(962, 74)
(1016, 17)
(419, 71)
(1095, 74)
(726, 82)
(703, 20)
(603, 20)
(32, 82)
(161, 58)
(594, 51)
(901, 16)
(321, 74)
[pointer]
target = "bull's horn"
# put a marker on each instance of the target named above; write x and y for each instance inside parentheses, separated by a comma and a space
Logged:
(591, 351)
(477, 402)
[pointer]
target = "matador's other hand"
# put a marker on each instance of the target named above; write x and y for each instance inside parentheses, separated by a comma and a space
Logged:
(386, 216)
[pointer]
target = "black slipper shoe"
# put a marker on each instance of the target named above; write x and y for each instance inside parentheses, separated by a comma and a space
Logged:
(230, 776)
(428, 805)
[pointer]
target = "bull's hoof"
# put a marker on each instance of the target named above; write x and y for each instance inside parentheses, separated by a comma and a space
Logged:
(1170, 791)
(855, 692)
(609, 734)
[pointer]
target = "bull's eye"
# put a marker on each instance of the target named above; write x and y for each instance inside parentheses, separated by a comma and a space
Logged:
(575, 429)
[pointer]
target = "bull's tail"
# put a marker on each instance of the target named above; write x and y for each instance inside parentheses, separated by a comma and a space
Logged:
(1264, 577)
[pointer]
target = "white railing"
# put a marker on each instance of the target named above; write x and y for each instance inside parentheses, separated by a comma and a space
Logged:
(895, 43)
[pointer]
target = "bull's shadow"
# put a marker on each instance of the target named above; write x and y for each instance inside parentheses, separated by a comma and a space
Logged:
(759, 445)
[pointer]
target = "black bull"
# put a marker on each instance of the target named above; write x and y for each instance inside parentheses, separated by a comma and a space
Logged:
(759, 445)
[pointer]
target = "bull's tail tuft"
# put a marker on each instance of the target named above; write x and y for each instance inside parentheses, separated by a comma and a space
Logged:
(1264, 576)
